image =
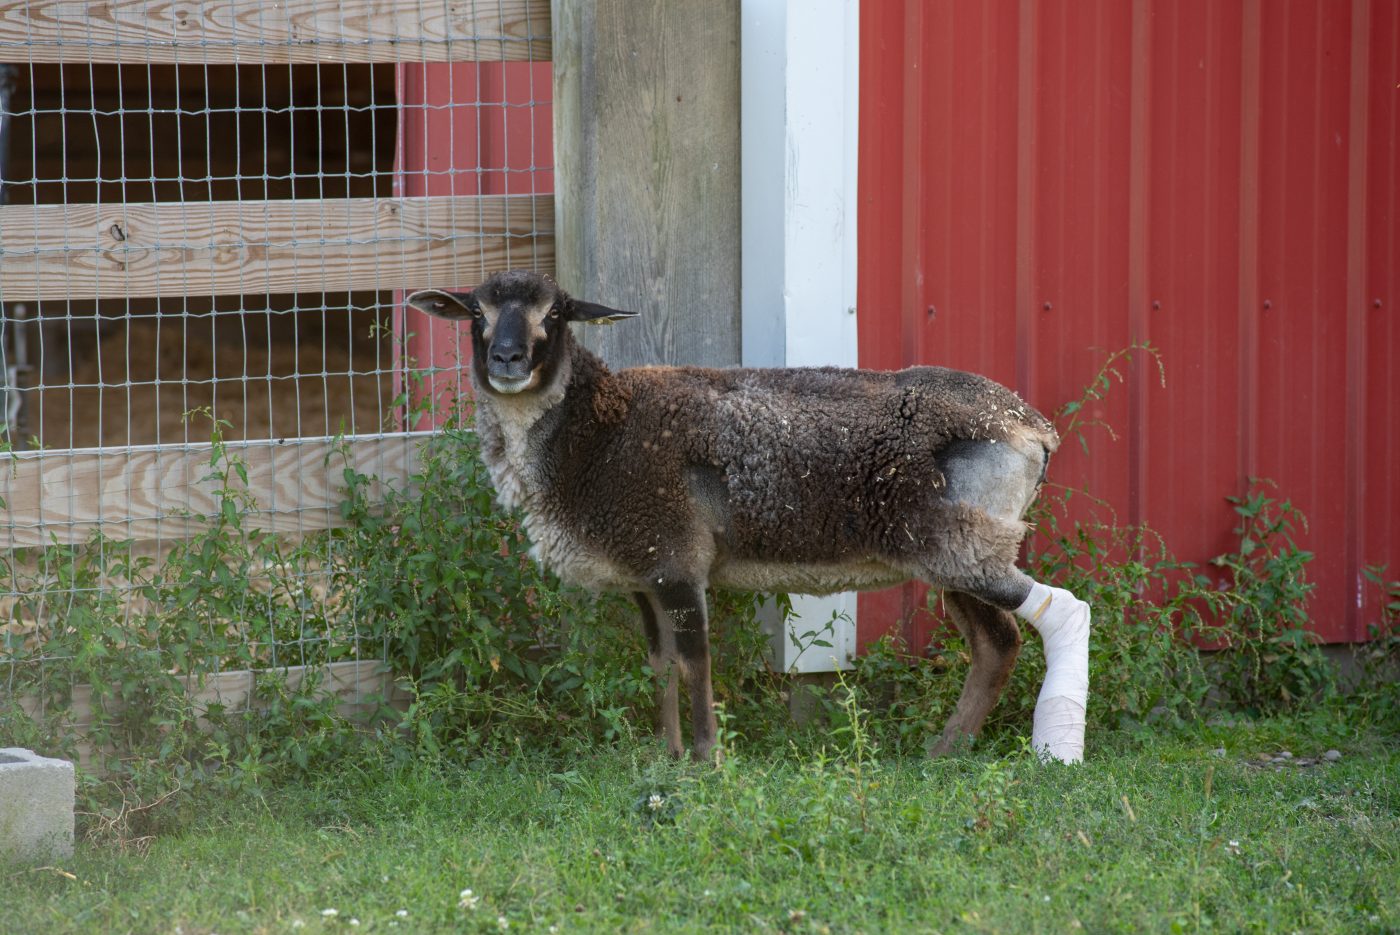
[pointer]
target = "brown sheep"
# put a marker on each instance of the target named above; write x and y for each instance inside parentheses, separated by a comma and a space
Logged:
(663, 481)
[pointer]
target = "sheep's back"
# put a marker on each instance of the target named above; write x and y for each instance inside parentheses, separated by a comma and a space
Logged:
(825, 464)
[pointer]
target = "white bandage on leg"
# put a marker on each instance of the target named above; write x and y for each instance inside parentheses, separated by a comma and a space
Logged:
(1063, 623)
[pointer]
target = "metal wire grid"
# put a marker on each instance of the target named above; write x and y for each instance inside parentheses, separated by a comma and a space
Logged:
(120, 371)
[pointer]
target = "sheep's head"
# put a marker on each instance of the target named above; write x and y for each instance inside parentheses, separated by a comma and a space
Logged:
(519, 319)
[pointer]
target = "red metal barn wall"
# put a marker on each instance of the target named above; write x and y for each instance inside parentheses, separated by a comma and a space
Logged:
(474, 128)
(1043, 182)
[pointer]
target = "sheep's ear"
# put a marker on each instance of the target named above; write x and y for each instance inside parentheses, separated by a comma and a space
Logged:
(454, 306)
(595, 314)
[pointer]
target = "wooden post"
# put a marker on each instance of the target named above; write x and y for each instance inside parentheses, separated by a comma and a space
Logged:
(646, 159)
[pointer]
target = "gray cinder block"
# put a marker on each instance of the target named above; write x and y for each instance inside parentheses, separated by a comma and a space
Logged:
(36, 805)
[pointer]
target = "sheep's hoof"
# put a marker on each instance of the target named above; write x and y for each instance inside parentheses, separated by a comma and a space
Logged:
(951, 743)
(708, 753)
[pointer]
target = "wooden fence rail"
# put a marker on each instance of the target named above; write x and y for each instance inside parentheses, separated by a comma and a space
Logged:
(238, 247)
(165, 492)
(246, 32)
(358, 686)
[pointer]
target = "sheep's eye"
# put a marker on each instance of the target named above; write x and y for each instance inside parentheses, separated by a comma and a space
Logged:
(555, 311)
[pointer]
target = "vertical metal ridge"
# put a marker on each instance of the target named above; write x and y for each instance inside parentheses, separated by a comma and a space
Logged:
(1358, 141)
(912, 240)
(1211, 230)
(986, 253)
(1026, 171)
(1318, 277)
(1388, 290)
(1139, 163)
(912, 168)
(1249, 242)
(1102, 107)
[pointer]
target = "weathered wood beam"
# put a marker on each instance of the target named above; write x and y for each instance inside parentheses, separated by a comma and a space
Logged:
(256, 32)
(646, 118)
(358, 686)
(165, 492)
(288, 245)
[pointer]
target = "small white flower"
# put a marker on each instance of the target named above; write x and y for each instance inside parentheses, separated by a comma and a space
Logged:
(297, 923)
(502, 923)
(402, 913)
(655, 802)
(354, 921)
(468, 900)
(330, 913)
(1232, 847)
(553, 930)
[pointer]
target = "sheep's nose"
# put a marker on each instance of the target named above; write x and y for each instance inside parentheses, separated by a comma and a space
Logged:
(507, 354)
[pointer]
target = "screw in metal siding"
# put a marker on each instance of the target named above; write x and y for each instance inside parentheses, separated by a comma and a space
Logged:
(1268, 304)
(931, 311)
(1156, 303)
(1048, 306)
(1375, 303)
(850, 309)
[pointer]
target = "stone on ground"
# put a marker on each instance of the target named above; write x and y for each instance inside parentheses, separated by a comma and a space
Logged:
(36, 806)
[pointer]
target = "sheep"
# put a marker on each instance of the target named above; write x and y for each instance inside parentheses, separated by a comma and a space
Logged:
(664, 481)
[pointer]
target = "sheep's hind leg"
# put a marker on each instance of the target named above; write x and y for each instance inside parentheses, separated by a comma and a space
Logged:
(1063, 622)
(684, 604)
(1001, 480)
(994, 641)
(661, 657)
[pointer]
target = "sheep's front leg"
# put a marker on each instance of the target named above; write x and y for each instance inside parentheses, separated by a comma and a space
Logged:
(661, 652)
(684, 604)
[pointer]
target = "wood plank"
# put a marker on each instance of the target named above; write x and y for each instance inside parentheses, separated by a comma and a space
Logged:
(289, 245)
(651, 226)
(292, 31)
(352, 683)
(165, 492)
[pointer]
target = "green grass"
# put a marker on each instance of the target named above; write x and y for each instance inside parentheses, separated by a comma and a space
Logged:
(786, 840)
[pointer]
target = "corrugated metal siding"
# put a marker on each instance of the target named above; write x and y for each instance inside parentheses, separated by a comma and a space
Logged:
(1042, 182)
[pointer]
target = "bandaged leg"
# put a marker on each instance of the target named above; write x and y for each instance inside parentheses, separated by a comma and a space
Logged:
(1063, 623)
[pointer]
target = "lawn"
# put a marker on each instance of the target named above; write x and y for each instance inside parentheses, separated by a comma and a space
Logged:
(1179, 832)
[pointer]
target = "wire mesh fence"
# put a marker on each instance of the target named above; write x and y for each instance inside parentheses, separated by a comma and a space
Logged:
(208, 215)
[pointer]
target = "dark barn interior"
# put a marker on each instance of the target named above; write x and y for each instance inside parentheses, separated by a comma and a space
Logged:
(126, 371)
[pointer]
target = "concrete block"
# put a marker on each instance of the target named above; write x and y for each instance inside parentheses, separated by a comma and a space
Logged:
(36, 806)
